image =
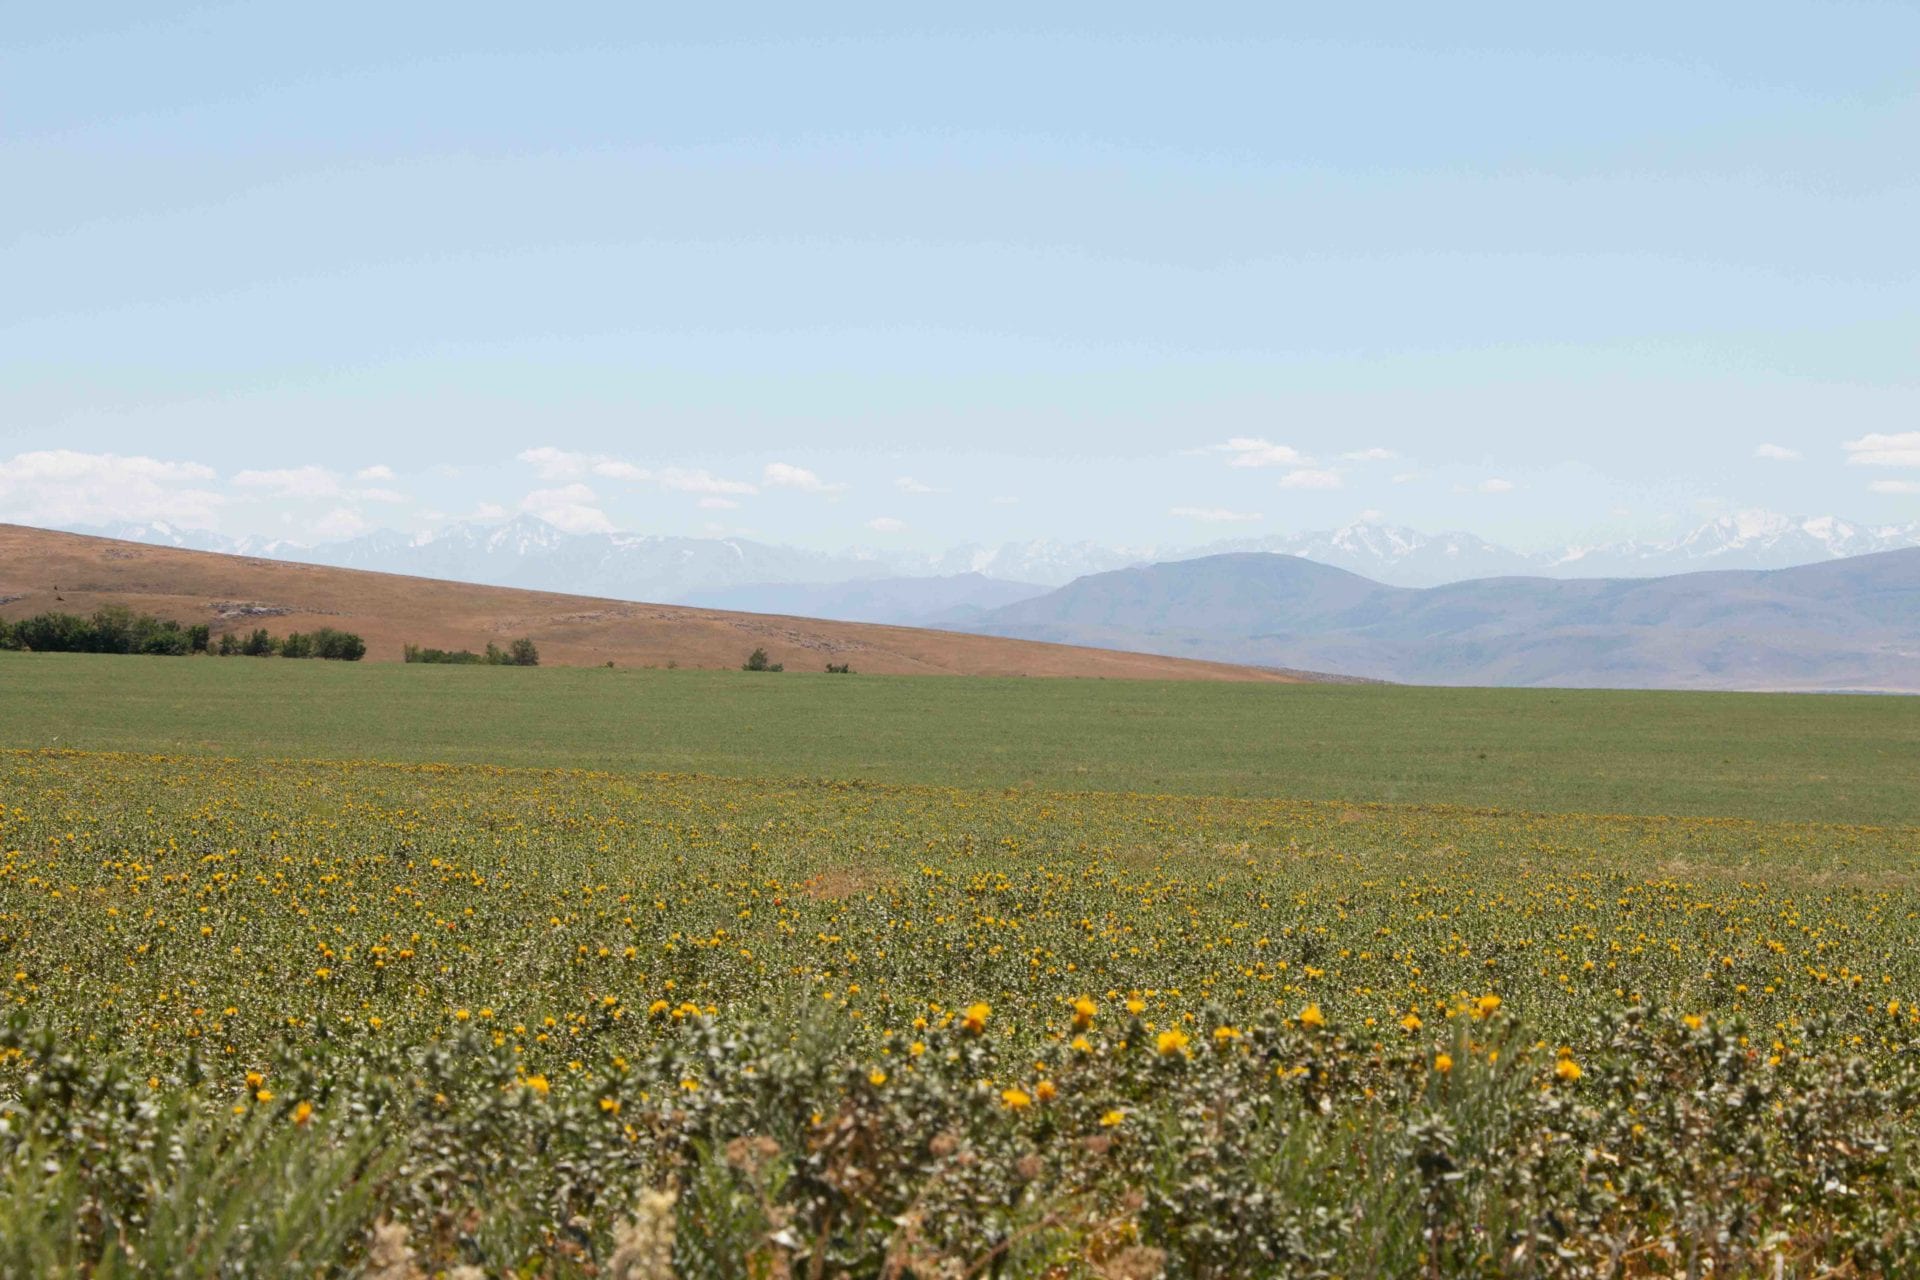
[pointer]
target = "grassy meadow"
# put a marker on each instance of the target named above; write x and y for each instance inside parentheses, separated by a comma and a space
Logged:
(1801, 757)
(476, 973)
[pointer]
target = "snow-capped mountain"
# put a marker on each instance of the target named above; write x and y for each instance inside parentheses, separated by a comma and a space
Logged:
(1406, 557)
(1747, 540)
(1043, 561)
(529, 552)
(160, 533)
(1388, 553)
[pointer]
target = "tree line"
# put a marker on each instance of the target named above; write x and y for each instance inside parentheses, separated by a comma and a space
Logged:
(115, 628)
(521, 653)
(322, 642)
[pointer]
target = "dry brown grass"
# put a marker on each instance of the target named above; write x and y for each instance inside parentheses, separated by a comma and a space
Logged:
(42, 570)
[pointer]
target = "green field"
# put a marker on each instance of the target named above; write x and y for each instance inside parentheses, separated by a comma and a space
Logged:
(1812, 758)
(354, 971)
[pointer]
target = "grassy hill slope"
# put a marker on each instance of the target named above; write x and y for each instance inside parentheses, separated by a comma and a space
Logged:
(42, 570)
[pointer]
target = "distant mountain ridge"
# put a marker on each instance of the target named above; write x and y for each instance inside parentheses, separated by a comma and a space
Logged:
(529, 552)
(1847, 624)
(1405, 557)
(950, 600)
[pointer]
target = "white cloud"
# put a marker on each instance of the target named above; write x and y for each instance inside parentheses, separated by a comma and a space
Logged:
(1310, 478)
(1877, 450)
(1003, 501)
(1375, 454)
(1776, 453)
(1894, 486)
(568, 507)
(1406, 476)
(1216, 515)
(65, 487)
(378, 471)
(1372, 515)
(381, 495)
(784, 475)
(886, 524)
(1494, 484)
(717, 504)
(554, 464)
(489, 511)
(565, 464)
(907, 484)
(686, 481)
(341, 522)
(1251, 451)
(292, 482)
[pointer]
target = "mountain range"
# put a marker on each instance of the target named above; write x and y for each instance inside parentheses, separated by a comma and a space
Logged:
(870, 585)
(1847, 624)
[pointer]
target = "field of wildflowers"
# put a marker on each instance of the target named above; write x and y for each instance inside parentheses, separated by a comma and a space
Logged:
(399, 1020)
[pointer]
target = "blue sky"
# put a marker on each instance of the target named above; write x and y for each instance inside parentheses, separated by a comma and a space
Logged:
(887, 276)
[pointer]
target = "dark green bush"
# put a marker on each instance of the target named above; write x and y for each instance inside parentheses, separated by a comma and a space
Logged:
(454, 657)
(521, 653)
(340, 646)
(111, 629)
(757, 661)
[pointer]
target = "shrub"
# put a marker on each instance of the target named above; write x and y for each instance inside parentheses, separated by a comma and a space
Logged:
(521, 653)
(111, 629)
(259, 644)
(839, 668)
(451, 657)
(757, 661)
(296, 646)
(340, 646)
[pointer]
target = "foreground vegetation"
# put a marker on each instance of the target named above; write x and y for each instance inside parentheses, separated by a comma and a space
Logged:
(550, 1022)
(1795, 758)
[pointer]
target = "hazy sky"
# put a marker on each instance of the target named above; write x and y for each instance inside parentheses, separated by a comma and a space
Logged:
(883, 275)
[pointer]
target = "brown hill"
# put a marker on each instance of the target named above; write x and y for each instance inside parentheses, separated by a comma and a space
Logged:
(43, 570)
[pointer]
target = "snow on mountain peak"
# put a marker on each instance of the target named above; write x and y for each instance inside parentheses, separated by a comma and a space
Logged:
(528, 551)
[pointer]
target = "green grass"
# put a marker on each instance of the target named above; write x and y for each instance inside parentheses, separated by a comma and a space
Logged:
(1851, 759)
